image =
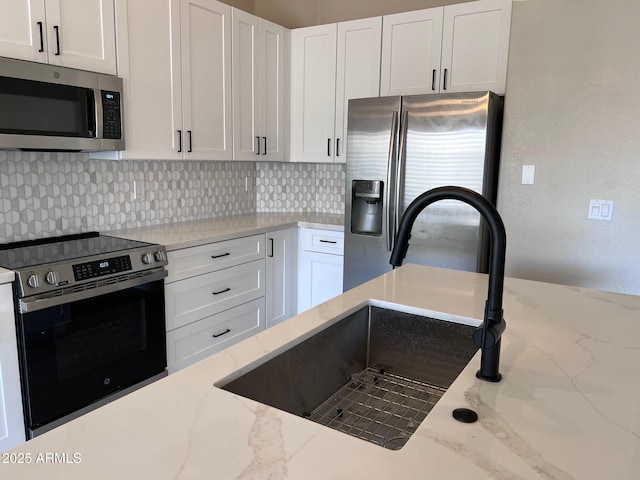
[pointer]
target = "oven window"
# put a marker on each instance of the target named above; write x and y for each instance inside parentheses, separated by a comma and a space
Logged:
(96, 338)
(77, 353)
(28, 107)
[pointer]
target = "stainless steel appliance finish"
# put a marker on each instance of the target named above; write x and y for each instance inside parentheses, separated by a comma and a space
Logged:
(403, 146)
(365, 375)
(46, 107)
(89, 320)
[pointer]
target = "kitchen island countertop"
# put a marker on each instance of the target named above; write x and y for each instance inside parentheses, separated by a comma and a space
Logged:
(567, 407)
(179, 235)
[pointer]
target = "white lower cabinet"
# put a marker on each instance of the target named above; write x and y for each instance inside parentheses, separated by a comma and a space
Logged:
(214, 297)
(198, 340)
(281, 269)
(11, 417)
(320, 266)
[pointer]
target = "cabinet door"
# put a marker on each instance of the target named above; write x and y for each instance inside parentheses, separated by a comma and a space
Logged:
(11, 417)
(357, 71)
(23, 33)
(313, 79)
(81, 34)
(411, 44)
(246, 86)
(319, 278)
(280, 271)
(272, 91)
(149, 65)
(205, 37)
(475, 46)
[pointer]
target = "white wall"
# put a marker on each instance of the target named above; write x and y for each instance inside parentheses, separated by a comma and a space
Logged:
(572, 109)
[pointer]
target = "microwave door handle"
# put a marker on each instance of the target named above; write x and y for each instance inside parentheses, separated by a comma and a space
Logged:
(94, 107)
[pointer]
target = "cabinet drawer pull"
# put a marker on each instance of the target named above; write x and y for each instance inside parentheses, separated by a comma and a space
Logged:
(221, 291)
(220, 334)
(41, 37)
(55, 27)
(218, 256)
(328, 241)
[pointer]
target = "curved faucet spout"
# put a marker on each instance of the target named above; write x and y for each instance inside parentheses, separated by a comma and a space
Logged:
(487, 336)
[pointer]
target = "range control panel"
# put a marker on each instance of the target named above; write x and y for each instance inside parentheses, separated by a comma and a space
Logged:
(99, 268)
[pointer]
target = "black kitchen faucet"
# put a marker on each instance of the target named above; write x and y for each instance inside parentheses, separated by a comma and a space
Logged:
(487, 336)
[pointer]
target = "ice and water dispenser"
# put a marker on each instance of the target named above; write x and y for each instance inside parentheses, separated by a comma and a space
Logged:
(367, 207)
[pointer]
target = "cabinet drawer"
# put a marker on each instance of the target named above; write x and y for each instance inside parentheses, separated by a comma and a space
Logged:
(323, 241)
(205, 337)
(189, 262)
(195, 298)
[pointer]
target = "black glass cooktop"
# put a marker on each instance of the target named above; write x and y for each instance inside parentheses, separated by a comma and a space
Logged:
(32, 253)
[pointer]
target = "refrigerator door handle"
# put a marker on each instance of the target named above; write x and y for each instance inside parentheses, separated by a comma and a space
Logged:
(391, 172)
(400, 169)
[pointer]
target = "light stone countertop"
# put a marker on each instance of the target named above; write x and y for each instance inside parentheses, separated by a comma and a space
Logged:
(6, 276)
(179, 235)
(566, 408)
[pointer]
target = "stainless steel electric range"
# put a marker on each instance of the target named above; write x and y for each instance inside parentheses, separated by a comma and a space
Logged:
(89, 320)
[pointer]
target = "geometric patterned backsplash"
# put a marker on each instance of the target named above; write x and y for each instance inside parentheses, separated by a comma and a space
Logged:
(49, 193)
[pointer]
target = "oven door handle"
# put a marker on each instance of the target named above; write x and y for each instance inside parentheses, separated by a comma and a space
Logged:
(102, 287)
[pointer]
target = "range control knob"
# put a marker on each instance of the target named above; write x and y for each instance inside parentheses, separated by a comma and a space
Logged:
(147, 258)
(160, 256)
(33, 281)
(51, 278)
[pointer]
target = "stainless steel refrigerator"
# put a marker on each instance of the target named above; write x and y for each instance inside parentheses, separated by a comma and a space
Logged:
(399, 147)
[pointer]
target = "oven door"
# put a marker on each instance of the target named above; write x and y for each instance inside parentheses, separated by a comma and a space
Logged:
(77, 353)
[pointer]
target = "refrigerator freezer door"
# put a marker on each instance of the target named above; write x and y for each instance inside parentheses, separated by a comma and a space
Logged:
(371, 156)
(446, 144)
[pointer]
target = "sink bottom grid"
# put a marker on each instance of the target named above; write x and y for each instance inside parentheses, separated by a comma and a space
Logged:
(379, 407)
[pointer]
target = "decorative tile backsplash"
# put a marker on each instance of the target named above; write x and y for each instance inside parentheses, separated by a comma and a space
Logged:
(300, 187)
(47, 193)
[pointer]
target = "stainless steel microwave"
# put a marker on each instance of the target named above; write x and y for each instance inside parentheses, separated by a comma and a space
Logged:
(45, 107)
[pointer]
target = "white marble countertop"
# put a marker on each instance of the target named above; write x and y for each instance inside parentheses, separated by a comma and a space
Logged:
(190, 234)
(567, 407)
(6, 276)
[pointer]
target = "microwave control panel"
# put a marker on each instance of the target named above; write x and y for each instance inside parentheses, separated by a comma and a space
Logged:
(112, 121)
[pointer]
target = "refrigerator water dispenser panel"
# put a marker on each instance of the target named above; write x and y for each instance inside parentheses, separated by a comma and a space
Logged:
(367, 207)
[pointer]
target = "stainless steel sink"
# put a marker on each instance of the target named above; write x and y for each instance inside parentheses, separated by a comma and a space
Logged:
(375, 374)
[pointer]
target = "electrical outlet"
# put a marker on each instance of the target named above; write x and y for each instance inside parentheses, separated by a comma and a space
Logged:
(138, 189)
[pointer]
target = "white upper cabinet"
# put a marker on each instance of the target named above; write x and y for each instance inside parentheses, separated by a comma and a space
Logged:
(259, 50)
(70, 33)
(475, 46)
(205, 37)
(174, 57)
(329, 65)
(456, 48)
(411, 45)
(313, 92)
(357, 71)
